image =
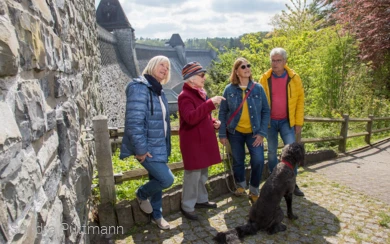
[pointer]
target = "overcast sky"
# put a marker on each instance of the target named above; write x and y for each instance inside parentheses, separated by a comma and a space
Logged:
(199, 18)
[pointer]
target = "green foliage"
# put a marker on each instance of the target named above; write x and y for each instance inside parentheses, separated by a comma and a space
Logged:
(175, 154)
(385, 220)
(152, 42)
(218, 76)
(218, 42)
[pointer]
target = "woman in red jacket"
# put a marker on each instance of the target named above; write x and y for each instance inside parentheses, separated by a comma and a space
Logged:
(198, 141)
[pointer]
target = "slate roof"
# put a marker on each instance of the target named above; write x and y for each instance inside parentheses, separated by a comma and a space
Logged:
(175, 41)
(111, 16)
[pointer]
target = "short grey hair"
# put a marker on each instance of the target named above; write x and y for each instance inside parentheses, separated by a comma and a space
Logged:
(190, 79)
(278, 50)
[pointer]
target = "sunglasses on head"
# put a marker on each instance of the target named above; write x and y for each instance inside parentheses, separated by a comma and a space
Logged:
(245, 66)
(201, 75)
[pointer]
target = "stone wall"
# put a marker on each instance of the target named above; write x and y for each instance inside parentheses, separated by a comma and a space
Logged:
(114, 76)
(126, 49)
(49, 93)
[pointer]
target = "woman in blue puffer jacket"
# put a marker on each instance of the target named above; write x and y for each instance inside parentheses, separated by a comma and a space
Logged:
(147, 134)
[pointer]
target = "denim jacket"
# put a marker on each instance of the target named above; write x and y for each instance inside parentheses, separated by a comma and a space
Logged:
(259, 111)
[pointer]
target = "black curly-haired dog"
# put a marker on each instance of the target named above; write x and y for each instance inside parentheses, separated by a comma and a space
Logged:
(266, 213)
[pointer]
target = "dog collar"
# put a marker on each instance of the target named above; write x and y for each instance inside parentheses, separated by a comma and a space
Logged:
(288, 164)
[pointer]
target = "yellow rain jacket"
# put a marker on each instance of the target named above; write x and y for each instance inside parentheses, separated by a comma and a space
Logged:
(295, 97)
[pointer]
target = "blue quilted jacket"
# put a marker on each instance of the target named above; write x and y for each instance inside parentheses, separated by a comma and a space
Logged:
(144, 127)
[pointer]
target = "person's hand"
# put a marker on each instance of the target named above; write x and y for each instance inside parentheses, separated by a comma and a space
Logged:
(223, 141)
(258, 141)
(217, 124)
(141, 158)
(217, 99)
(298, 129)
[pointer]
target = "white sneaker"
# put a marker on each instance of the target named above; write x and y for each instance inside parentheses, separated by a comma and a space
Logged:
(145, 205)
(161, 223)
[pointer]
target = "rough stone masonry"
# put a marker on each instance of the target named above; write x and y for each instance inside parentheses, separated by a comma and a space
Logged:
(49, 93)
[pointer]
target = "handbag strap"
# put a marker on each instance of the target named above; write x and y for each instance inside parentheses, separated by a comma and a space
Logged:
(239, 107)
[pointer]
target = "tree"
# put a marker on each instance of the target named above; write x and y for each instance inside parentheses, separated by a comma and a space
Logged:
(369, 21)
(299, 17)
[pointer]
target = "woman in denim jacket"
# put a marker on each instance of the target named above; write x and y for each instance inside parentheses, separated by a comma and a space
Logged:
(248, 127)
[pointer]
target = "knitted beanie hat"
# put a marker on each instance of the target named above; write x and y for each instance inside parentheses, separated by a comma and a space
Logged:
(191, 69)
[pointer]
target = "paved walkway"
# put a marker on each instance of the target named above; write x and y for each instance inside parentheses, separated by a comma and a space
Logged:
(346, 201)
(366, 170)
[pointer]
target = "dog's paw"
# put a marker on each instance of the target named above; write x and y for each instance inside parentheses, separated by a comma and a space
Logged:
(292, 216)
(282, 227)
(220, 237)
(276, 228)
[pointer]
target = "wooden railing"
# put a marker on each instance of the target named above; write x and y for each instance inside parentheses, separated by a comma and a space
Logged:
(103, 141)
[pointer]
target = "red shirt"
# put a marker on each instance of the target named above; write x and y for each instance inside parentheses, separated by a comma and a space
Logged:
(279, 97)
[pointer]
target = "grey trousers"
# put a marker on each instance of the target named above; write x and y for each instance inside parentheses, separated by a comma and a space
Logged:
(194, 189)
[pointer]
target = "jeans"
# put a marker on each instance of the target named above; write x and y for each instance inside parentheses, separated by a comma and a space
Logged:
(287, 134)
(237, 142)
(160, 177)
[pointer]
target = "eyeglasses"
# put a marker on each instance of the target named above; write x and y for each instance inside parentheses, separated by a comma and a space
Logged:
(245, 66)
(277, 60)
(201, 75)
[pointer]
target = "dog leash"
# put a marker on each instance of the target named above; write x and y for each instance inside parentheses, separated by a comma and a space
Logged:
(227, 164)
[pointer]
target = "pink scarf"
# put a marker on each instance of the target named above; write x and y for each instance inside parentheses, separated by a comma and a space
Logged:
(202, 92)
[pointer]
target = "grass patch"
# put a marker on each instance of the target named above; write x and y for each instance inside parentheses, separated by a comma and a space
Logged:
(336, 220)
(335, 185)
(303, 173)
(385, 219)
(355, 236)
(356, 142)
(316, 231)
(317, 183)
(359, 229)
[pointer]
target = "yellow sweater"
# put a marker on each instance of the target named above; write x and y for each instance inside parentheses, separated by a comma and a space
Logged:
(244, 125)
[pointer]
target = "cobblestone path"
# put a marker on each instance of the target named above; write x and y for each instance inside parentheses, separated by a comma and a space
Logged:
(330, 212)
(347, 200)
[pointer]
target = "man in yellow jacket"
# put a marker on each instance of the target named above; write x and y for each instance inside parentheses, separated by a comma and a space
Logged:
(285, 95)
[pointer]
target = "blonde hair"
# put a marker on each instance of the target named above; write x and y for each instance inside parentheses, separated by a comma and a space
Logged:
(233, 76)
(152, 64)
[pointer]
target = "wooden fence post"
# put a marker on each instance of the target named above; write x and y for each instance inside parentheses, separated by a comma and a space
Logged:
(103, 158)
(344, 134)
(369, 129)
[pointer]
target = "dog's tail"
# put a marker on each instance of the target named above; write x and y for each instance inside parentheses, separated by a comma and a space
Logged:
(233, 235)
